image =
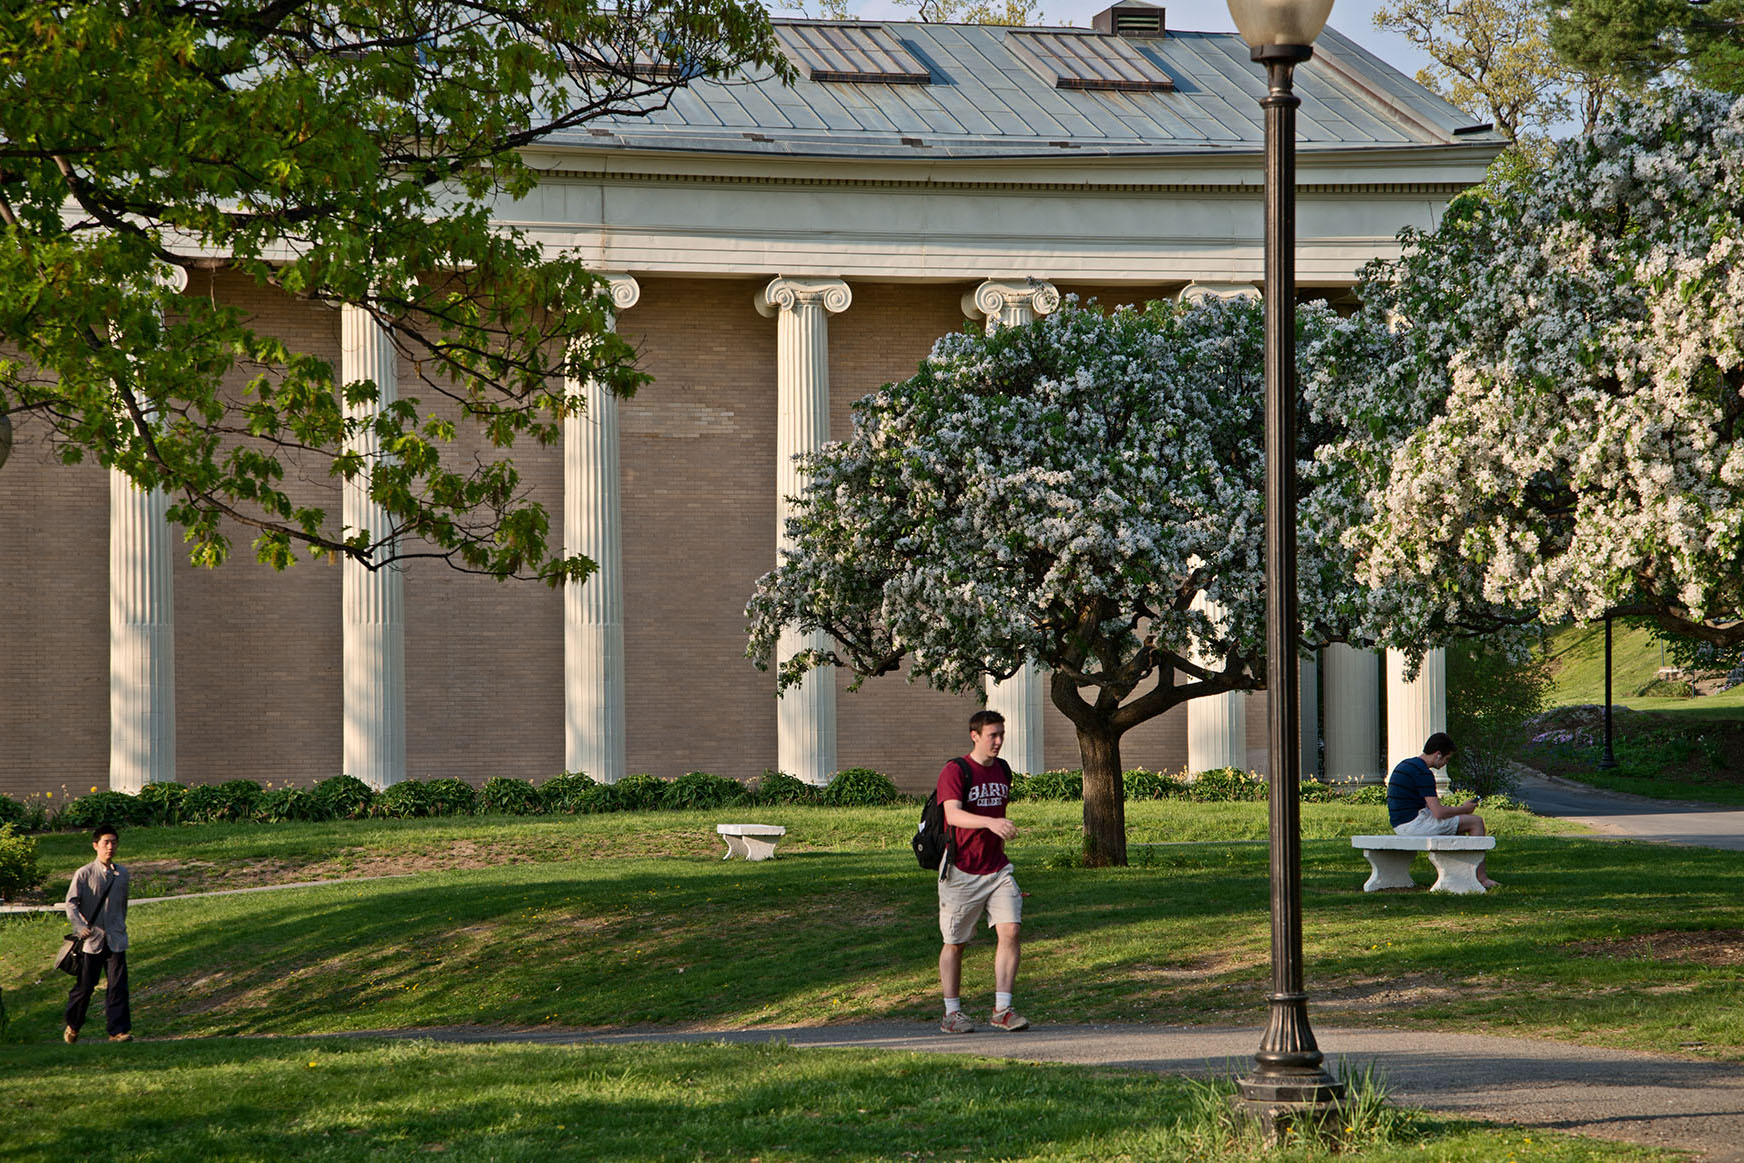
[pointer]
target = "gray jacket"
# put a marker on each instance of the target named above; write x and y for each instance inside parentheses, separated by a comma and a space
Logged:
(110, 927)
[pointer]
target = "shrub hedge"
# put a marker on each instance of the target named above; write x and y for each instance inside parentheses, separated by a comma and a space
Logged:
(343, 797)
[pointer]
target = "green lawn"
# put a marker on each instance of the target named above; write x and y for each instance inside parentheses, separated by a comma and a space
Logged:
(1577, 657)
(589, 922)
(343, 1100)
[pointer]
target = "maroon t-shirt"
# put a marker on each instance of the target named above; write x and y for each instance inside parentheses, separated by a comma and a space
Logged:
(986, 793)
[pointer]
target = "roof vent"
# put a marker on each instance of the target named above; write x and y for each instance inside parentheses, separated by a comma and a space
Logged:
(855, 53)
(1082, 60)
(1130, 18)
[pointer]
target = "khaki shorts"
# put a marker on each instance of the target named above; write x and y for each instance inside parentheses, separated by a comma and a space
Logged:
(1425, 824)
(965, 896)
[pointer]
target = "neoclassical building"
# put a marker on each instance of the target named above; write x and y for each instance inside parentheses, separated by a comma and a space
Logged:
(775, 253)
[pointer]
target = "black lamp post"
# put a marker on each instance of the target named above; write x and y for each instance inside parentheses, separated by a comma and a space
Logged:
(1289, 1079)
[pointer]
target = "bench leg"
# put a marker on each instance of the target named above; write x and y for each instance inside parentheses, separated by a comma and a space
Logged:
(757, 848)
(1456, 871)
(1392, 869)
(736, 847)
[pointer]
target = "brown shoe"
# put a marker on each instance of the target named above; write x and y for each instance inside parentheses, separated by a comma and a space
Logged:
(121, 1037)
(69, 1035)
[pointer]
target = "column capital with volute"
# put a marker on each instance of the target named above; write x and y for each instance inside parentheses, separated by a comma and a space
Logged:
(1005, 302)
(789, 294)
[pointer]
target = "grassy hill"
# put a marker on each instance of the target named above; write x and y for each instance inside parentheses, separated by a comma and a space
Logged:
(1577, 662)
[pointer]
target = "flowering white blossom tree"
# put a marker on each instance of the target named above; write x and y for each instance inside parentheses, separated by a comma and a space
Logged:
(1560, 424)
(1057, 492)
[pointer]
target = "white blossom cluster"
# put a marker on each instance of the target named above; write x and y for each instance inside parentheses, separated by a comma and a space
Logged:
(1557, 423)
(1056, 492)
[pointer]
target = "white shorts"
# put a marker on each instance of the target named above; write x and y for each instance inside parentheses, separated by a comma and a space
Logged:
(1427, 825)
(965, 896)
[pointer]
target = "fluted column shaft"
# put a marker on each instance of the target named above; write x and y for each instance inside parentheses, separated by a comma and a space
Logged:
(806, 714)
(142, 624)
(1012, 303)
(372, 601)
(1353, 715)
(1216, 724)
(1416, 708)
(142, 638)
(593, 612)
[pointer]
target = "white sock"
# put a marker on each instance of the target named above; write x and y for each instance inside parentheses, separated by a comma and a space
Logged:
(953, 1005)
(1001, 1001)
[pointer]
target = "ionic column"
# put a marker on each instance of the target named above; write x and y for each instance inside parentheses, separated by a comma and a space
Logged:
(593, 612)
(1216, 724)
(142, 627)
(806, 714)
(372, 602)
(1417, 708)
(1308, 682)
(1353, 715)
(1009, 303)
(142, 638)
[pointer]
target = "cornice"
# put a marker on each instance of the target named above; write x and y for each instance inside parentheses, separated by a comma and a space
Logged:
(773, 181)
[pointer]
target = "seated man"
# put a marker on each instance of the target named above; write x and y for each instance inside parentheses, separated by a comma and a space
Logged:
(1415, 809)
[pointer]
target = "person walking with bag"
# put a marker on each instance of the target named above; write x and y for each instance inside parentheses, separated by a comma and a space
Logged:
(97, 908)
(976, 880)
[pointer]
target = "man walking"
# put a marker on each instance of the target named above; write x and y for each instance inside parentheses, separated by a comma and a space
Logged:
(1415, 809)
(97, 908)
(978, 881)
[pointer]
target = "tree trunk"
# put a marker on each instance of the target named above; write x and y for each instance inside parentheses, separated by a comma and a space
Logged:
(1104, 797)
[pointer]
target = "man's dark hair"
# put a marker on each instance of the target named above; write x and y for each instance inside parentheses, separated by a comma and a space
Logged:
(981, 720)
(1438, 744)
(103, 830)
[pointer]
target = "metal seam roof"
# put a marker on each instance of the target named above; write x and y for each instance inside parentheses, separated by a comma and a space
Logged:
(984, 99)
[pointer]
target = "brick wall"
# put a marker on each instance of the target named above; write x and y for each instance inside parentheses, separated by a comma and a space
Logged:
(258, 679)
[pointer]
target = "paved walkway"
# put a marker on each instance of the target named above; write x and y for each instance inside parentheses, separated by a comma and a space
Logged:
(1634, 817)
(1652, 1099)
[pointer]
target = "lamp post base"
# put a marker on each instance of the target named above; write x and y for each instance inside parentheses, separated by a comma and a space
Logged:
(1287, 1104)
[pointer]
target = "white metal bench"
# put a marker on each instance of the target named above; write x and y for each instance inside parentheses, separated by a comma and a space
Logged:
(751, 841)
(1456, 860)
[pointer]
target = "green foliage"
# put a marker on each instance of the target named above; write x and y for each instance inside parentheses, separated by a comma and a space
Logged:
(700, 790)
(279, 805)
(574, 792)
(18, 868)
(333, 154)
(104, 807)
(638, 793)
(777, 787)
(165, 802)
(346, 797)
(1143, 784)
(234, 799)
(859, 787)
(451, 797)
(1491, 694)
(405, 800)
(1666, 688)
(1225, 784)
(1643, 41)
(30, 815)
(1048, 785)
(1368, 794)
(501, 795)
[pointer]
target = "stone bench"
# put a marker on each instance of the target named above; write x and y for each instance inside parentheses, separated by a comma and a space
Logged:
(751, 841)
(1456, 860)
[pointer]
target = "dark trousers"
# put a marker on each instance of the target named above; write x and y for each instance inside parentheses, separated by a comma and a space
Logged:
(116, 1013)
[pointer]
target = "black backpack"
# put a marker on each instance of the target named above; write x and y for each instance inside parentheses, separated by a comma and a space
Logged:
(933, 844)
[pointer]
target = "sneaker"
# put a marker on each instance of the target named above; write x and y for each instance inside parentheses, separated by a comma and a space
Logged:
(69, 1035)
(957, 1022)
(121, 1037)
(1008, 1020)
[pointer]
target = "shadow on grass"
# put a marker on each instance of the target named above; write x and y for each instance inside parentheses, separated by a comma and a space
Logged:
(343, 1100)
